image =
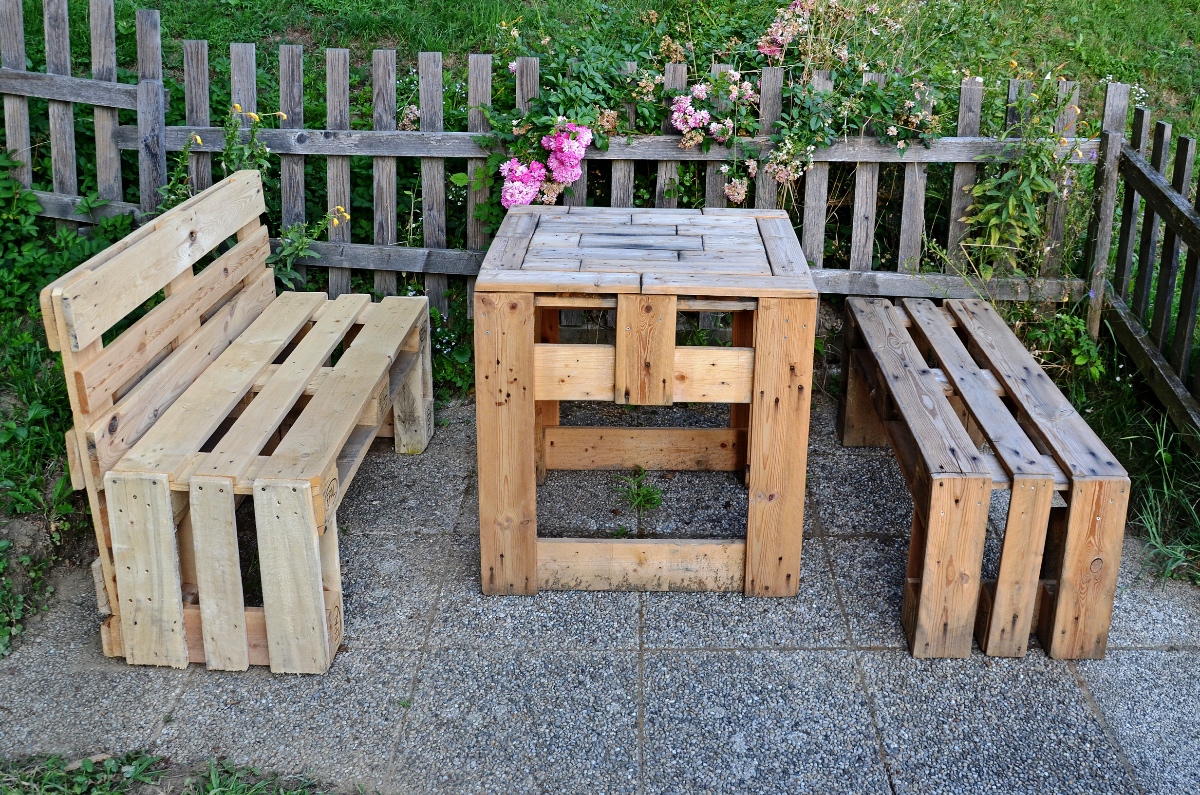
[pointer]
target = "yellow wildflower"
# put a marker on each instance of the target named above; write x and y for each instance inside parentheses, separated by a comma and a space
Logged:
(196, 139)
(340, 208)
(336, 221)
(1013, 64)
(237, 108)
(1062, 141)
(253, 116)
(282, 116)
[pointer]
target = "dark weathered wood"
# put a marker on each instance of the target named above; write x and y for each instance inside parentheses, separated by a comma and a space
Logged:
(103, 30)
(337, 167)
(1124, 265)
(529, 81)
(433, 174)
(149, 45)
(816, 193)
(291, 105)
(243, 79)
(197, 107)
(395, 259)
(770, 106)
(68, 89)
(152, 154)
(1189, 304)
(383, 82)
(1168, 269)
(912, 219)
(970, 106)
(64, 207)
(675, 79)
(16, 107)
(479, 95)
(62, 114)
(839, 281)
(1112, 117)
(621, 184)
(1148, 246)
(1017, 89)
(866, 196)
(714, 180)
(1104, 208)
(1056, 208)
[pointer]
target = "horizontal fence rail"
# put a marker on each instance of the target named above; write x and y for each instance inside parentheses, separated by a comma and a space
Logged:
(332, 139)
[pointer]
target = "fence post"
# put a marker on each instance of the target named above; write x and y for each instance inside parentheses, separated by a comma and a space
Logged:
(479, 94)
(970, 109)
(816, 193)
(383, 89)
(675, 79)
(197, 108)
(770, 107)
(433, 175)
(866, 197)
(1168, 269)
(1148, 245)
(714, 180)
(1056, 208)
(16, 108)
(621, 186)
(151, 111)
(62, 114)
(337, 167)
(291, 167)
(104, 67)
(1105, 207)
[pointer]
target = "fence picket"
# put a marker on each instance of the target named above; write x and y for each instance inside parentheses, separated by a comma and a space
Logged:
(1013, 118)
(1148, 247)
(529, 81)
(337, 167)
(1112, 118)
(104, 67)
(714, 180)
(675, 79)
(1056, 208)
(970, 111)
(866, 195)
(621, 185)
(479, 95)
(243, 77)
(816, 194)
(1189, 305)
(291, 167)
(197, 108)
(151, 111)
(1168, 269)
(383, 82)
(770, 107)
(433, 174)
(16, 108)
(1124, 264)
(1103, 209)
(62, 114)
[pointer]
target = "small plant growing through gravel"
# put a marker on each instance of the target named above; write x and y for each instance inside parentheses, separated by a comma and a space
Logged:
(621, 532)
(639, 495)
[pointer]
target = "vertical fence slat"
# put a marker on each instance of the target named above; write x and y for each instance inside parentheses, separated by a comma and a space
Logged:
(104, 67)
(337, 167)
(866, 194)
(197, 107)
(16, 108)
(291, 167)
(1105, 207)
(151, 111)
(62, 114)
(1189, 304)
(529, 81)
(1168, 269)
(479, 94)
(621, 186)
(433, 174)
(243, 76)
(714, 180)
(1124, 265)
(383, 81)
(1056, 208)
(816, 193)
(1148, 246)
(770, 107)
(970, 108)
(912, 219)
(1017, 89)
(675, 79)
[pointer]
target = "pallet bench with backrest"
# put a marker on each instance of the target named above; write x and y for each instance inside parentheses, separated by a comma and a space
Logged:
(220, 391)
(1066, 516)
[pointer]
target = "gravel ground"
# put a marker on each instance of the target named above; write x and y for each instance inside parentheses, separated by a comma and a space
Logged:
(440, 689)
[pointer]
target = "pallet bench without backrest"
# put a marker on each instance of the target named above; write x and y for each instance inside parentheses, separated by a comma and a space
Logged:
(220, 391)
(1058, 564)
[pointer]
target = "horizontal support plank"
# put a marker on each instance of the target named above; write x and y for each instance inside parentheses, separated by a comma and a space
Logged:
(1153, 186)
(58, 205)
(69, 89)
(379, 143)
(887, 284)
(704, 449)
(393, 258)
(574, 302)
(587, 372)
(597, 564)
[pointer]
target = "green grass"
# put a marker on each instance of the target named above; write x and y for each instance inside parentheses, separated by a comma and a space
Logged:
(138, 772)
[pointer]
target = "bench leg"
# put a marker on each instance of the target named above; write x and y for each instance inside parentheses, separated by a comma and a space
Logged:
(1006, 607)
(858, 423)
(546, 411)
(944, 562)
(505, 425)
(1076, 610)
(412, 413)
(218, 573)
(739, 413)
(146, 560)
(289, 552)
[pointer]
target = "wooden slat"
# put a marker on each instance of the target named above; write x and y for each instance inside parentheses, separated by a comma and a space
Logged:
(587, 372)
(645, 350)
(866, 196)
(912, 219)
(508, 250)
(151, 111)
(1185, 319)
(212, 507)
(778, 436)
(197, 108)
(383, 82)
(67, 207)
(64, 88)
(1148, 245)
(1112, 119)
(291, 167)
(674, 79)
(1104, 207)
(102, 23)
(770, 107)
(782, 247)
(16, 107)
(243, 79)
(548, 282)
(621, 184)
(586, 564)
(816, 192)
(62, 114)
(528, 81)
(715, 449)
(727, 285)
(433, 175)
(937, 285)
(146, 559)
(714, 180)
(1168, 269)
(1056, 208)
(479, 95)
(712, 374)
(412, 414)
(1124, 264)
(970, 104)
(504, 343)
(337, 167)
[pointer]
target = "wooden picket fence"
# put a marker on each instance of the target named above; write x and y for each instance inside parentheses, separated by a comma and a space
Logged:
(336, 142)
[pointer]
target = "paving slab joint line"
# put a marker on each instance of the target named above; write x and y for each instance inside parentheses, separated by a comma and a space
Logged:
(161, 725)
(641, 694)
(1108, 732)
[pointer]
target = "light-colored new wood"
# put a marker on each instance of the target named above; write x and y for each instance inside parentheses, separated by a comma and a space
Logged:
(750, 286)
(716, 449)
(587, 372)
(413, 406)
(587, 564)
(645, 350)
(554, 282)
(212, 505)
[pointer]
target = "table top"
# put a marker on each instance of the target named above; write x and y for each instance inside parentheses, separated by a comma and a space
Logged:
(710, 252)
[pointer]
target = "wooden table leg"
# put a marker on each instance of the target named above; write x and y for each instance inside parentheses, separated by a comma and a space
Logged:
(779, 413)
(546, 410)
(505, 419)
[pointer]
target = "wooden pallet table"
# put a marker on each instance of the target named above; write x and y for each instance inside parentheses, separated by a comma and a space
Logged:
(222, 391)
(647, 265)
(1060, 555)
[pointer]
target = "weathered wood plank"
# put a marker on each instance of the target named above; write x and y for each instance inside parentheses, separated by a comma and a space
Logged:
(291, 167)
(1168, 269)
(579, 564)
(674, 79)
(62, 114)
(1113, 115)
(383, 87)
(816, 192)
(66, 207)
(912, 219)
(1148, 245)
(433, 175)
(1124, 264)
(243, 80)
(621, 183)
(1104, 208)
(970, 104)
(337, 167)
(16, 106)
(866, 197)
(212, 506)
(529, 84)
(770, 107)
(101, 20)
(197, 108)
(1056, 208)
(714, 180)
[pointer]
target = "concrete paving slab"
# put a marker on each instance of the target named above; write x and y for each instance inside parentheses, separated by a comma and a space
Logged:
(869, 572)
(731, 620)
(511, 720)
(581, 504)
(989, 725)
(390, 587)
(1149, 701)
(1149, 611)
(337, 727)
(860, 494)
(549, 620)
(697, 505)
(751, 722)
